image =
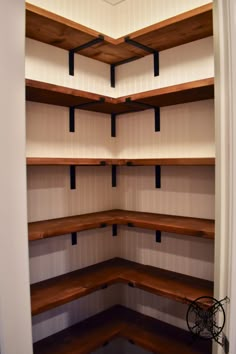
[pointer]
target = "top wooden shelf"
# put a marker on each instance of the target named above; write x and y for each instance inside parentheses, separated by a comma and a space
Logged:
(118, 321)
(63, 96)
(61, 32)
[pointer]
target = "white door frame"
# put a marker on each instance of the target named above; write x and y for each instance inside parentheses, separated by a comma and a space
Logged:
(15, 312)
(225, 107)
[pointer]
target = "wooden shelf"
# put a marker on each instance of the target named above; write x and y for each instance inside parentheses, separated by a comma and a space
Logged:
(188, 161)
(65, 288)
(167, 223)
(181, 93)
(63, 96)
(63, 161)
(118, 321)
(61, 32)
(43, 92)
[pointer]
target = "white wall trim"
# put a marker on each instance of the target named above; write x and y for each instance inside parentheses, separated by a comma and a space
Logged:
(15, 313)
(225, 105)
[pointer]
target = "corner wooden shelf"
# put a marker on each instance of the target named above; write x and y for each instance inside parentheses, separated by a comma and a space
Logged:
(43, 92)
(118, 321)
(61, 32)
(167, 223)
(65, 288)
(187, 161)
(63, 161)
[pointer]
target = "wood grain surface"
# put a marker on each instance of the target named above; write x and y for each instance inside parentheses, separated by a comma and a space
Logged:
(167, 223)
(43, 92)
(57, 291)
(68, 161)
(118, 321)
(61, 32)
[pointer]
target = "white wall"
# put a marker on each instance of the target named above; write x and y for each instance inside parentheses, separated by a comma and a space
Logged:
(15, 319)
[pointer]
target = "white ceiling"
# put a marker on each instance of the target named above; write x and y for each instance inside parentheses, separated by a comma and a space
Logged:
(113, 2)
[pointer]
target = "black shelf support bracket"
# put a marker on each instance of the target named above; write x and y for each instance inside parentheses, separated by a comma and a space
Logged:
(130, 224)
(72, 177)
(131, 284)
(157, 119)
(158, 236)
(113, 69)
(113, 175)
(71, 119)
(156, 62)
(80, 106)
(157, 115)
(114, 230)
(105, 343)
(105, 286)
(72, 52)
(148, 50)
(158, 176)
(102, 225)
(113, 75)
(74, 238)
(113, 125)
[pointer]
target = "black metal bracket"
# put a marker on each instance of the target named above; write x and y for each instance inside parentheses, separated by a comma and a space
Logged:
(72, 177)
(140, 46)
(71, 119)
(148, 50)
(80, 106)
(104, 286)
(105, 344)
(130, 224)
(74, 238)
(113, 75)
(102, 225)
(158, 236)
(131, 341)
(113, 68)
(113, 175)
(131, 284)
(157, 119)
(114, 230)
(113, 125)
(158, 176)
(157, 116)
(79, 48)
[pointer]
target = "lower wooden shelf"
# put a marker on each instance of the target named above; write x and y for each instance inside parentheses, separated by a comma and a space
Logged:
(54, 292)
(160, 222)
(118, 321)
